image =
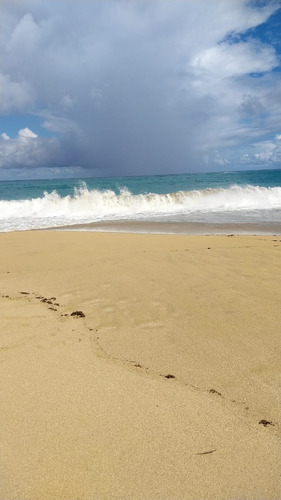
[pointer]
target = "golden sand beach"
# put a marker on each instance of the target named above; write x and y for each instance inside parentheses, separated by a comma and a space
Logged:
(167, 388)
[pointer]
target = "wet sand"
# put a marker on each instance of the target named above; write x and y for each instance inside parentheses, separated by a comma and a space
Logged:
(172, 227)
(167, 388)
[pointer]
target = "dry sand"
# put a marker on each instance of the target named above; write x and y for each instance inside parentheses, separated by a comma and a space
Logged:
(87, 411)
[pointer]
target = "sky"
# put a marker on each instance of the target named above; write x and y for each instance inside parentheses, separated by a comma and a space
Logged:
(138, 87)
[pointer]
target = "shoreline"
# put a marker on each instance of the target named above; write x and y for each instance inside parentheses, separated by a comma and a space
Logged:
(166, 227)
(183, 228)
(169, 387)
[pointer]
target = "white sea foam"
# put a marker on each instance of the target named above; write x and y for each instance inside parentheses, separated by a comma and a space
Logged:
(87, 206)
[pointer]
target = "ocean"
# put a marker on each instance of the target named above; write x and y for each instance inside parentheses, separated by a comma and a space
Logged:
(239, 202)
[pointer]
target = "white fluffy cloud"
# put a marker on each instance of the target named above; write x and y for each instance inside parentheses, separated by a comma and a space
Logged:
(26, 133)
(264, 153)
(231, 60)
(27, 150)
(138, 87)
(5, 136)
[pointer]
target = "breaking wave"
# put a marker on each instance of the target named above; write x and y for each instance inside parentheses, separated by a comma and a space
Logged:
(85, 206)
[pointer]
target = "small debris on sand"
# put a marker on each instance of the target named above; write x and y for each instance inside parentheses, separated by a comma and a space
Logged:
(206, 452)
(265, 423)
(78, 314)
(213, 391)
(46, 301)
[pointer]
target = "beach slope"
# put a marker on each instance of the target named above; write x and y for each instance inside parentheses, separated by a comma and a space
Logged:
(164, 383)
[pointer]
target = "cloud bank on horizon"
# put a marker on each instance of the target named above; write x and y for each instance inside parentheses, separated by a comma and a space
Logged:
(124, 87)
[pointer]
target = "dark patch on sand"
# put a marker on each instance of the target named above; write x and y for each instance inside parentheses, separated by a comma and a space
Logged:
(206, 452)
(47, 301)
(78, 314)
(265, 423)
(213, 391)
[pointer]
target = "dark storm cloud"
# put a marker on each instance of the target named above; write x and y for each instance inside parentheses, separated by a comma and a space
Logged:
(134, 86)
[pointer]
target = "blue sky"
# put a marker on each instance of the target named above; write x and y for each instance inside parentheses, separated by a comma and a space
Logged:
(125, 87)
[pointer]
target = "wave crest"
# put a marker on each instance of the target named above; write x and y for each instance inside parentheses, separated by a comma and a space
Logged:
(95, 205)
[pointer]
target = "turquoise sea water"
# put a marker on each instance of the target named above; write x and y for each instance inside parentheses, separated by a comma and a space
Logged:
(162, 203)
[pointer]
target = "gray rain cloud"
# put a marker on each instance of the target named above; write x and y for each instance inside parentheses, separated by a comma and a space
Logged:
(129, 87)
